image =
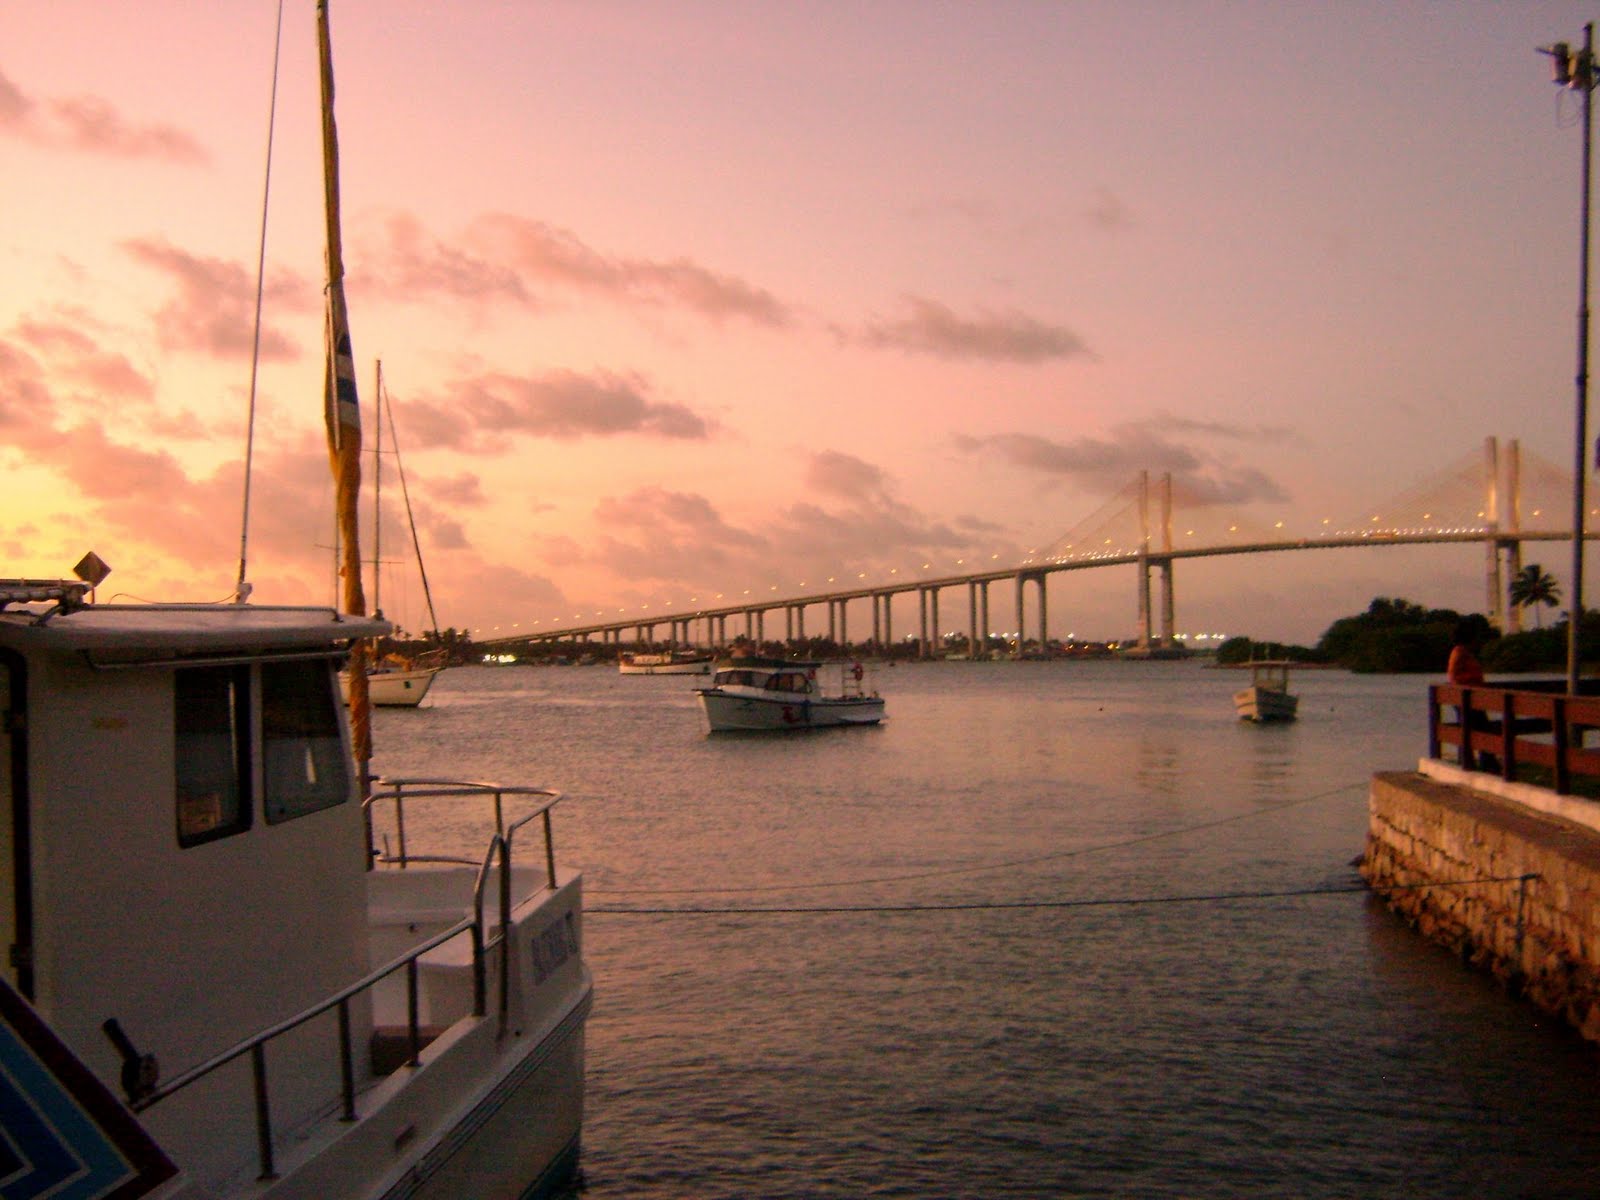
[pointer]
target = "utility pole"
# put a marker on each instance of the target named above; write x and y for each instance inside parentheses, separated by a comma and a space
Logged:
(1575, 70)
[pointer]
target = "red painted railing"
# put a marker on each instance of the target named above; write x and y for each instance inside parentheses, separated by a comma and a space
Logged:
(1497, 729)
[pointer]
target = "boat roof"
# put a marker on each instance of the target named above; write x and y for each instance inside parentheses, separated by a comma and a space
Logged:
(140, 631)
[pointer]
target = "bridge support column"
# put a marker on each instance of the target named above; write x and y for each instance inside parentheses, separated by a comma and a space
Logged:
(844, 625)
(922, 622)
(1021, 628)
(888, 621)
(984, 627)
(1143, 640)
(936, 646)
(1044, 609)
(877, 626)
(972, 620)
(1169, 609)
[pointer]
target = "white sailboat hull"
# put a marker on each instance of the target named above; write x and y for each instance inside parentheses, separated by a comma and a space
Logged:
(394, 689)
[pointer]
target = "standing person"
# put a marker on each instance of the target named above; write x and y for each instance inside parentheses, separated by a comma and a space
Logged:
(1464, 669)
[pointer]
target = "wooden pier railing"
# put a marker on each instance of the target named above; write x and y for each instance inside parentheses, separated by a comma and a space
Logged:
(1534, 732)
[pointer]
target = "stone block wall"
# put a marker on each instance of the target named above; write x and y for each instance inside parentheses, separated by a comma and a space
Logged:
(1513, 891)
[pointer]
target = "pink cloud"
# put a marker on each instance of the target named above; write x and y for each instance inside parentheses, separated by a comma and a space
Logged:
(929, 327)
(214, 310)
(557, 256)
(484, 412)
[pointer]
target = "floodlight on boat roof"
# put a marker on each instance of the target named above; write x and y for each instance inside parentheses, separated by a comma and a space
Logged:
(92, 569)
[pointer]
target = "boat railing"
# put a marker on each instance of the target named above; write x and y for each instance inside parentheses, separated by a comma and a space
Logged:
(1505, 729)
(499, 854)
(419, 789)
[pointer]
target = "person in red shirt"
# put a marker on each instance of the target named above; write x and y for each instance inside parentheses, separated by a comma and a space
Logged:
(1464, 670)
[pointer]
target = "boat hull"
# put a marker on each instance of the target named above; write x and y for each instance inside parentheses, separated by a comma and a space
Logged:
(1265, 704)
(521, 1139)
(688, 667)
(394, 689)
(726, 712)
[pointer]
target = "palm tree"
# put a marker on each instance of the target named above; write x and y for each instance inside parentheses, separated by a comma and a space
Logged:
(1532, 585)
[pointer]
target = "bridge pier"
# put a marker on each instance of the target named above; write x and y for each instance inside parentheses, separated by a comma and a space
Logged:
(1023, 578)
(972, 619)
(983, 616)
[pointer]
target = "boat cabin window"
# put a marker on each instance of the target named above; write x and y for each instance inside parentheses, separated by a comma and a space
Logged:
(302, 755)
(213, 752)
(297, 739)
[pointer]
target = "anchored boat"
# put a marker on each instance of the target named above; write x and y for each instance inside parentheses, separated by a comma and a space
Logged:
(1268, 697)
(754, 693)
(397, 680)
(677, 662)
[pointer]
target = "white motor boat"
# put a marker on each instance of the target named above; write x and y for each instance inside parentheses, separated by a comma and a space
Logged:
(754, 693)
(679, 662)
(227, 969)
(1268, 697)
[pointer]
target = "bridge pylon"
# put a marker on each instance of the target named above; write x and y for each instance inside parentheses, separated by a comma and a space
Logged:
(1162, 559)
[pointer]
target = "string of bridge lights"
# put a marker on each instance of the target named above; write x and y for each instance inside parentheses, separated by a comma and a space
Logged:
(1107, 549)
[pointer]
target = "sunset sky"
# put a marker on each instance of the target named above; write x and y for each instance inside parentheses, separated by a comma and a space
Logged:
(680, 299)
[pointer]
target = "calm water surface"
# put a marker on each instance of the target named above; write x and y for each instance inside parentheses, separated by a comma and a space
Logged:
(1088, 999)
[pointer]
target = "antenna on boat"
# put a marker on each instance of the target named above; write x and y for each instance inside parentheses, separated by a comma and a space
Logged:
(241, 591)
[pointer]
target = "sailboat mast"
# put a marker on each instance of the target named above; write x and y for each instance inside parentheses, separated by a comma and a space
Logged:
(342, 406)
(377, 490)
(241, 589)
(411, 519)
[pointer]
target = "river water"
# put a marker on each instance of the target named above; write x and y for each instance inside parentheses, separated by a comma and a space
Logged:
(1052, 930)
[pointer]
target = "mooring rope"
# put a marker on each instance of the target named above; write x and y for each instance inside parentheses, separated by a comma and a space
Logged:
(1344, 889)
(980, 868)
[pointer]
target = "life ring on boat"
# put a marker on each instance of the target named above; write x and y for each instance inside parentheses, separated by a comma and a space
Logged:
(857, 672)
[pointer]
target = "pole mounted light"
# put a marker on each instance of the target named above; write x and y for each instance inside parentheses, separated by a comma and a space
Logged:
(1574, 69)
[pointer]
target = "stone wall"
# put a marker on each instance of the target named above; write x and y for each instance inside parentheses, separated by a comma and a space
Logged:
(1512, 890)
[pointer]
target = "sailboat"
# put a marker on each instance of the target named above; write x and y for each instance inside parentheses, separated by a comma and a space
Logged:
(396, 680)
(216, 988)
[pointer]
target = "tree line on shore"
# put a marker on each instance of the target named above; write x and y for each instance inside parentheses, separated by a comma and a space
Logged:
(1399, 635)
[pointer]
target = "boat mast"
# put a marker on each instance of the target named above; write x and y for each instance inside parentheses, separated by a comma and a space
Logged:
(342, 409)
(411, 520)
(377, 489)
(241, 589)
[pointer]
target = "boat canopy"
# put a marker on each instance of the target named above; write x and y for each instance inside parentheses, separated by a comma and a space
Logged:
(145, 633)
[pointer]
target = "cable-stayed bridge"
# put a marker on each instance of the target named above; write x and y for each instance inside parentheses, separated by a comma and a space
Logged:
(1497, 497)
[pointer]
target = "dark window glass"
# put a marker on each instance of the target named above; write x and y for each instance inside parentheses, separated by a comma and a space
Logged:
(302, 754)
(212, 726)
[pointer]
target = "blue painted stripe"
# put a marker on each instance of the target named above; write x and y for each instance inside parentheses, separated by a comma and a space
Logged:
(66, 1154)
